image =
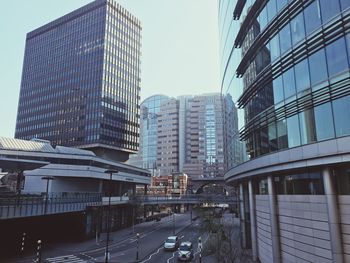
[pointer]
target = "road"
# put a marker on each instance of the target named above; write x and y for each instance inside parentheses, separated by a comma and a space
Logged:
(191, 234)
(124, 249)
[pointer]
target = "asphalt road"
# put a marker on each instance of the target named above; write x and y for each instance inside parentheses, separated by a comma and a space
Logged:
(149, 241)
(191, 233)
(150, 244)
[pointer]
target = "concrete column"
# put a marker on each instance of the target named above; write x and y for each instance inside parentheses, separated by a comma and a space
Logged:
(253, 220)
(242, 216)
(276, 249)
(333, 215)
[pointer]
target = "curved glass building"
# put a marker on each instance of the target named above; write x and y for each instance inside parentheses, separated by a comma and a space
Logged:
(147, 155)
(286, 64)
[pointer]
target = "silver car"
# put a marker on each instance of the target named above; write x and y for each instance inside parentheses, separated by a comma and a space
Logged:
(185, 252)
(171, 243)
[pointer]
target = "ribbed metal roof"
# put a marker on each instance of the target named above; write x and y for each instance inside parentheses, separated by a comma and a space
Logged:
(70, 150)
(23, 145)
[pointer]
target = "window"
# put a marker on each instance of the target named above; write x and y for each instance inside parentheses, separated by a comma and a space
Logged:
(281, 4)
(341, 109)
(297, 27)
(347, 37)
(289, 83)
(272, 137)
(312, 17)
(278, 89)
(282, 134)
(329, 9)
(324, 122)
(263, 18)
(336, 59)
(308, 183)
(302, 79)
(293, 131)
(274, 48)
(318, 67)
(271, 9)
(344, 4)
(307, 126)
(285, 38)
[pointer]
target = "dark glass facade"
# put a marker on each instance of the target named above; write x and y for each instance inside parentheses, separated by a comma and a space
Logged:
(292, 63)
(81, 80)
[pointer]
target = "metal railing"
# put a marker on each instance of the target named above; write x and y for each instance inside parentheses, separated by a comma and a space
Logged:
(37, 204)
(188, 198)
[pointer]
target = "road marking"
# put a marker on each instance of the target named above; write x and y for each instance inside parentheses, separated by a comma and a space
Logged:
(168, 261)
(66, 259)
(202, 244)
(90, 257)
(149, 258)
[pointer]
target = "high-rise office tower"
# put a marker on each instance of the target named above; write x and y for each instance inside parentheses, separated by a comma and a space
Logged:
(147, 154)
(168, 138)
(286, 64)
(205, 133)
(81, 81)
(190, 134)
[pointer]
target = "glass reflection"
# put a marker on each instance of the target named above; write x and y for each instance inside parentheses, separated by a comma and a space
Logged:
(297, 27)
(329, 9)
(342, 120)
(336, 57)
(312, 17)
(302, 79)
(293, 131)
(307, 126)
(318, 67)
(289, 83)
(324, 122)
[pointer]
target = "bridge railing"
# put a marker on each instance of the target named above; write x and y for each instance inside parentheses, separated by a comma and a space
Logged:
(189, 198)
(35, 204)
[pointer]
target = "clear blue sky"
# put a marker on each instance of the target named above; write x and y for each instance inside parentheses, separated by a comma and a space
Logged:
(179, 46)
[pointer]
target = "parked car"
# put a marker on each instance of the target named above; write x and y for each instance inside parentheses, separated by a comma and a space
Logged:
(171, 243)
(185, 251)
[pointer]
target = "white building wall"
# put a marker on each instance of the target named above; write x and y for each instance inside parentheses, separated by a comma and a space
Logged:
(304, 229)
(344, 211)
(263, 228)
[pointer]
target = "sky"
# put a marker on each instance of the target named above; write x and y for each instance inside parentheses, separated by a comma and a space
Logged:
(179, 46)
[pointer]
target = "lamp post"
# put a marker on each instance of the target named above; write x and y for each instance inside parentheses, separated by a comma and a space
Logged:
(110, 172)
(47, 178)
(137, 247)
(174, 223)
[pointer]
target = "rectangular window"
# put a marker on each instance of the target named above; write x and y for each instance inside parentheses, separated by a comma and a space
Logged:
(318, 67)
(312, 17)
(302, 79)
(285, 38)
(298, 29)
(324, 122)
(293, 130)
(307, 126)
(282, 139)
(329, 9)
(341, 109)
(336, 59)
(289, 83)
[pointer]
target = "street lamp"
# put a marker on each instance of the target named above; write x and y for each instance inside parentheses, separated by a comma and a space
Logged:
(48, 178)
(137, 247)
(110, 172)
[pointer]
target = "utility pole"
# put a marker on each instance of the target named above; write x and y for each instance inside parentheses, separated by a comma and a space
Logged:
(137, 247)
(38, 252)
(22, 243)
(110, 172)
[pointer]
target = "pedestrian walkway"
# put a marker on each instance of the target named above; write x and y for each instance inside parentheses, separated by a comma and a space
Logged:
(65, 259)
